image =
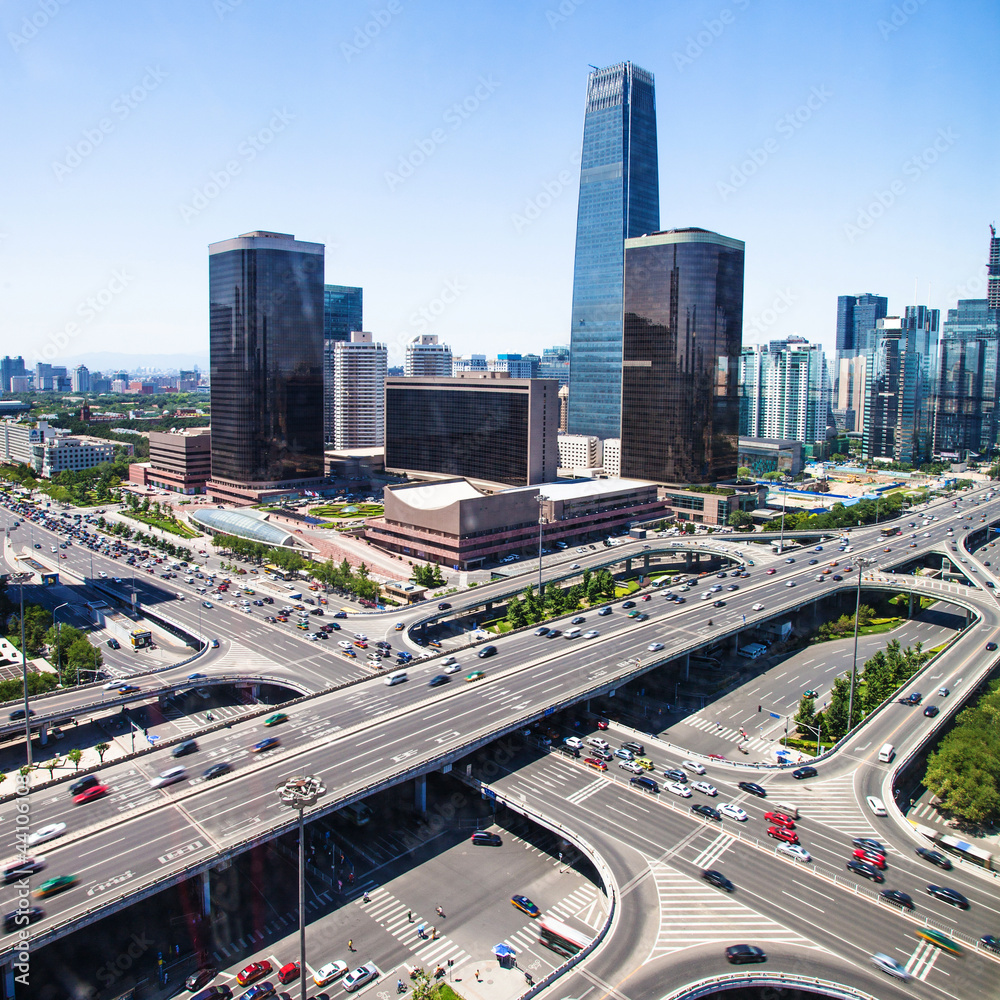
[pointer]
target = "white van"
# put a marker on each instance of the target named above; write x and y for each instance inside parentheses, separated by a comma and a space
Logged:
(887, 752)
(572, 633)
(876, 805)
(397, 678)
(792, 811)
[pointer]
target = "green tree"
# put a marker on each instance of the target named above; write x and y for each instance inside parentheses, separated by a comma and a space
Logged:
(516, 615)
(806, 715)
(75, 755)
(739, 519)
(744, 472)
(50, 765)
(102, 749)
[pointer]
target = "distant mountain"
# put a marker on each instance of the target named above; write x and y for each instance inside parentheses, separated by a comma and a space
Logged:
(105, 361)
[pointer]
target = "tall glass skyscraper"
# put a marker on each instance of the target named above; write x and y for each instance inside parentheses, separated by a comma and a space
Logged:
(857, 316)
(619, 199)
(266, 351)
(342, 312)
(683, 332)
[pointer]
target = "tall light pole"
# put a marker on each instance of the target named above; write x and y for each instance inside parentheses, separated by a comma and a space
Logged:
(862, 563)
(298, 792)
(541, 521)
(58, 647)
(20, 579)
(784, 496)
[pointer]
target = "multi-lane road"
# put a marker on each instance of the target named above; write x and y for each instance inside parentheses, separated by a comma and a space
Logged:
(370, 735)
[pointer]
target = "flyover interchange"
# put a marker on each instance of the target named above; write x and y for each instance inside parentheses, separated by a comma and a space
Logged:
(367, 737)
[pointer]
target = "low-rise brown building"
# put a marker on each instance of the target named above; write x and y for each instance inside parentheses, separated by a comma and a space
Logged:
(180, 460)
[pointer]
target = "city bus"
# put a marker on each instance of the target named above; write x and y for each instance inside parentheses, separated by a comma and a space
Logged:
(278, 572)
(561, 938)
(890, 531)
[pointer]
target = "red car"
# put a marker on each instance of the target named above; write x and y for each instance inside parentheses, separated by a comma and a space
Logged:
(597, 765)
(780, 819)
(647, 597)
(288, 973)
(780, 833)
(716, 756)
(94, 792)
(253, 972)
(870, 857)
(771, 571)
(602, 723)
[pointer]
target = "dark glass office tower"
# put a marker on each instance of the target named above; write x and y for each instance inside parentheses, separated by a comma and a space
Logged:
(342, 312)
(857, 317)
(619, 198)
(266, 349)
(683, 333)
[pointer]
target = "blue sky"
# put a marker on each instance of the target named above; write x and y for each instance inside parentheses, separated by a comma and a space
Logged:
(850, 144)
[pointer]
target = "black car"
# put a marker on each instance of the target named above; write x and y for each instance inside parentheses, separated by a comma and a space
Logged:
(21, 918)
(931, 710)
(200, 978)
(554, 633)
(674, 774)
(437, 680)
(935, 858)
(22, 869)
(991, 646)
(87, 781)
(911, 699)
(947, 895)
(744, 954)
(444, 606)
(875, 846)
(712, 877)
(805, 772)
(990, 941)
(483, 838)
(221, 992)
(707, 811)
(217, 769)
(340, 614)
(183, 749)
(865, 870)
(897, 898)
(486, 651)
(753, 788)
(718, 604)
(18, 713)
(636, 748)
(114, 644)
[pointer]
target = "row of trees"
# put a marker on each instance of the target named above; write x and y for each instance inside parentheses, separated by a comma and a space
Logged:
(532, 607)
(66, 646)
(844, 625)
(163, 545)
(428, 576)
(964, 770)
(882, 675)
(839, 516)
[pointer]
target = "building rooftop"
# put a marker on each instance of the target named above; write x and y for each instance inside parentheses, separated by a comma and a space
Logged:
(587, 488)
(430, 496)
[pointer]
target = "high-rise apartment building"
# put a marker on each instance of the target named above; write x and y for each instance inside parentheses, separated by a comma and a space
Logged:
(359, 375)
(784, 391)
(81, 379)
(683, 326)
(893, 396)
(993, 271)
(473, 363)
(266, 350)
(482, 425)
(11, 368)
(426, 358)
(343, 313)
(516, 365)
(619, 199)
(850, 402)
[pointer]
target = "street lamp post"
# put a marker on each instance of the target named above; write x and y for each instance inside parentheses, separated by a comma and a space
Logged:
(298, 792)
(818, 730)
(862, 563)
(20, 579)
(784, 497)
(541, 521)
(58, 646)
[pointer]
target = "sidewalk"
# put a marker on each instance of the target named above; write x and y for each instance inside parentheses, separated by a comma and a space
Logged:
(494, 983)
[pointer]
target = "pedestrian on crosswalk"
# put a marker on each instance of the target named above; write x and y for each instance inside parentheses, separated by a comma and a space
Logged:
(350, 944)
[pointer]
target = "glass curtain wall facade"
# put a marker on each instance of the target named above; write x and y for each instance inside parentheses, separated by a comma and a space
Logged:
(969, 351)
(619, 198)
(683, 324)
(266, 347)
(857, 317)
(343, 313)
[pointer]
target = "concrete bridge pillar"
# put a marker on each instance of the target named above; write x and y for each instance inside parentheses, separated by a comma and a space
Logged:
(7, 981)
(734, 644)
(420, 794)
(645, 562)
(206, 895)
(255, 691)
(489, 605)
(43, 734)
(687, 666)
(909, 609)
(687, 562)
(628, 565)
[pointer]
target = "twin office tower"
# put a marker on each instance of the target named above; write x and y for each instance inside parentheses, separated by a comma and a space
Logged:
(657, 317)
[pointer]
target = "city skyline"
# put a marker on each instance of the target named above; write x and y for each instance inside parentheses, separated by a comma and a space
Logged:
(842, 173)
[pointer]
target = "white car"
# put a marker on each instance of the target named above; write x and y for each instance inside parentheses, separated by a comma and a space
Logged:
(795, 851)
(574, 742)
(592, 634)
(169, 777)
(360, 977)
(631, 765)
(448, 661)
(791, 583)
(453, 668)
(344, 644)
(49, 832)
(654, 647)
(890, 965)
(733, 812)
(678, 789)
(693, 765)
(601, 744)
(705, 788)
(329, 972)
(876, 805)
(757, 607)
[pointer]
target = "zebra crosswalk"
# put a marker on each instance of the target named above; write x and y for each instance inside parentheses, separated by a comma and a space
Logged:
(402, 923)
(922, 960)
(834, 803)
(727, 733)
(714, 851)
(693, 913)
